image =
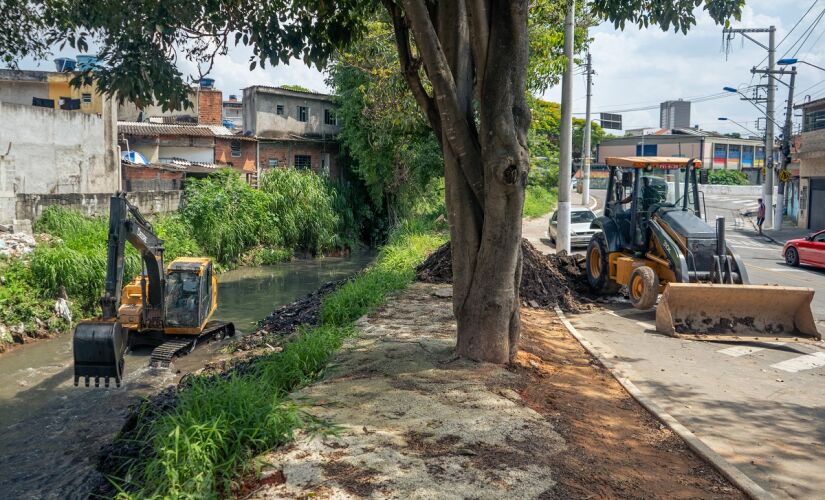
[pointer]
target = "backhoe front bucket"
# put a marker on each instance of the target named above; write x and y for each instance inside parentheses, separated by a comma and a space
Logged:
(98, 352)
(736, 312)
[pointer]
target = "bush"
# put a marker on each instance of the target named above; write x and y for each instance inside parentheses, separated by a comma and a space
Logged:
(538, 201)
(76, 262)
(728, 177)
(293, 210)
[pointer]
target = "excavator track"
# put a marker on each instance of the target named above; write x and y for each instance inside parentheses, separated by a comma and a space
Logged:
(163, 355)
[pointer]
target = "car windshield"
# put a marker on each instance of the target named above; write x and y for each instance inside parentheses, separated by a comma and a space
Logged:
(581, 217)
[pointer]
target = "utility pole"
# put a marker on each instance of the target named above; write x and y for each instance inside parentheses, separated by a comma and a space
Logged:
(586, 146)
(566, 134)
(786, 155)
(769, 131)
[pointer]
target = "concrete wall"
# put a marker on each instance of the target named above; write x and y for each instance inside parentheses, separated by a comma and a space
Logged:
(22, 92)
(30, 206)
(261, 118)
(54, 151)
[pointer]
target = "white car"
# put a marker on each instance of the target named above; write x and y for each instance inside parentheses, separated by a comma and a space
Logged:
(580, 232)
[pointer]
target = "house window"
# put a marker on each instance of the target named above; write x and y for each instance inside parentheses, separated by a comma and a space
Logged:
(329, 117)
(86, 98)
(303, 113)
(273, 162)
(235, 148)
(303, 161)
(279, 110)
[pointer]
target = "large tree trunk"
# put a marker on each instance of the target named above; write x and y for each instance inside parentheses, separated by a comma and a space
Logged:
(486, 165)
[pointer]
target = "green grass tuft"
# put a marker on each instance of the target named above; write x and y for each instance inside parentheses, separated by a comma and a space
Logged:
(538, 201)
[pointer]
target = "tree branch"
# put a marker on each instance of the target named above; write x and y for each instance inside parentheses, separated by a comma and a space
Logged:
(409, 68)
(479, 11)
(463, 143)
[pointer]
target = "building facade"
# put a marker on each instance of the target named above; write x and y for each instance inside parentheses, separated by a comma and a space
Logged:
(49, 89)
(233, 113)
(210, 145)
(714, 150)
(811, 156)
(52, 152)
(293, 128)
(674, 114)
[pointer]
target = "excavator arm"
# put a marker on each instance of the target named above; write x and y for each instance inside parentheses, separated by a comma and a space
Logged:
(99, 345)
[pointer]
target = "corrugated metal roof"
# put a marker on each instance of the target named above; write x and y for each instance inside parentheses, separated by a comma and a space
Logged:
(157, 129)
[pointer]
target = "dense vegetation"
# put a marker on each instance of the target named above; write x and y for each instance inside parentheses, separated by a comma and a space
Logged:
(728, 177)
(199, 448)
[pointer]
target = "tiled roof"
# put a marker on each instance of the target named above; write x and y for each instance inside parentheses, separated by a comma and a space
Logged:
(157, 129)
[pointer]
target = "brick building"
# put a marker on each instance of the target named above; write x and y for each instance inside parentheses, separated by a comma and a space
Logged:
(293, 128)
(163, 144)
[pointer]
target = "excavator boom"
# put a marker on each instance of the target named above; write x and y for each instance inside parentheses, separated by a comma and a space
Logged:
(99, 345)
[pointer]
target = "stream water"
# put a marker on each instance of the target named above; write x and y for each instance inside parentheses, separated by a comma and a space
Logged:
(51, 431)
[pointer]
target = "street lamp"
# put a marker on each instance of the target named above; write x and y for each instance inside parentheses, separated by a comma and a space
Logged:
(746, 98)
(789, 61)
(726, 119)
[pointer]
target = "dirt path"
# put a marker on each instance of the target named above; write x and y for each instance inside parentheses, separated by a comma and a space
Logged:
(412, 421)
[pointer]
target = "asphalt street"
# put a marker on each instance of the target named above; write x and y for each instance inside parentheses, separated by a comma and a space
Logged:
(759, 405)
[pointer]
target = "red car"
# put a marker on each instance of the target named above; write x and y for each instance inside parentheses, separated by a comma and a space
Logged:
(808, 250)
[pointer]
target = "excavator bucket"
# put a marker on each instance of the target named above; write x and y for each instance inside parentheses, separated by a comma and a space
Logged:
(736, 312)
(98, 348)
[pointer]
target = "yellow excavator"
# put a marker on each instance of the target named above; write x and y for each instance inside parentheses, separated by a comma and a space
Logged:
(167, 308)
(655, 242)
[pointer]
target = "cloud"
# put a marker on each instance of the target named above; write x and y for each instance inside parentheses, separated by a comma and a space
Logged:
(641, 68)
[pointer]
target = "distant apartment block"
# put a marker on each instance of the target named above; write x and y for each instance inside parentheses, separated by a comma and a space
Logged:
(674, 114)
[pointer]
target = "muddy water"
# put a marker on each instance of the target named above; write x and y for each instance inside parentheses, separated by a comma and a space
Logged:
(50, 431)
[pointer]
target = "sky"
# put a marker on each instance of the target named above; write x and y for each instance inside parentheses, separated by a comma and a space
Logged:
(634, 68)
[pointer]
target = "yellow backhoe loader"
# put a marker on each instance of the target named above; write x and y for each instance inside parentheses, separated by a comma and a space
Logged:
(169, 309)
(654, 242)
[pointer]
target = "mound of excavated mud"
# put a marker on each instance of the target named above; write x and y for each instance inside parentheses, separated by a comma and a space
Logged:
(287, 318)
(546, 280)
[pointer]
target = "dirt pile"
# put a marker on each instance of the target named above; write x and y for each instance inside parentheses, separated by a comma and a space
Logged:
(287, 318)
(546, 280)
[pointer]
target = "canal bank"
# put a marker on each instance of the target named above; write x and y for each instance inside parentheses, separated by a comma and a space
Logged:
(51, 431)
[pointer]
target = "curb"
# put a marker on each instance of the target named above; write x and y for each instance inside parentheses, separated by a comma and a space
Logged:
(733, 474)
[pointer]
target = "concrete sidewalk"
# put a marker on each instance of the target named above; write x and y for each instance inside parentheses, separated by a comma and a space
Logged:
(788, 231)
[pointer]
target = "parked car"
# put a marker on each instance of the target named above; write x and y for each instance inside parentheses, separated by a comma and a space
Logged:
(580, 232)
(809, 250)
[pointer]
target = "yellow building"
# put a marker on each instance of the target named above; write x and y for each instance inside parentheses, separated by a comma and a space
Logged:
(66, 96)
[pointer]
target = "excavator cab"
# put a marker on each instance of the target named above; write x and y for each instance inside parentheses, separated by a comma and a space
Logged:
(191, 295)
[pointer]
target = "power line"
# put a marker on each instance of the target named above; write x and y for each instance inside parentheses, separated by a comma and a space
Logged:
(696, 99)
(807, 34)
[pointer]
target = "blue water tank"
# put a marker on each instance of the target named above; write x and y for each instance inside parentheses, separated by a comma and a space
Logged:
(86, 62)
(207, 83)
(64, 64)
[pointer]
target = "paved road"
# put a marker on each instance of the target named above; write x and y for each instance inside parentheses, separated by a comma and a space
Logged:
(761, 406)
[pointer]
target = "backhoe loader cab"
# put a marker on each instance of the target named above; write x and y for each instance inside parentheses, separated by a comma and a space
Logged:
(653, 242)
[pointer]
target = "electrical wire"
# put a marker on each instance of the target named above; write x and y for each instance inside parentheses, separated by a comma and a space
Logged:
(696, 99)
(807, 34)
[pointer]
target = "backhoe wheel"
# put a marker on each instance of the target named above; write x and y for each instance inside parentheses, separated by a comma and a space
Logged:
(643, 287)
(792, 257)
(598, 267)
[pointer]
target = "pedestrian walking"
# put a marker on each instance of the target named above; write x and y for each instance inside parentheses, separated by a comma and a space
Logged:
(760, 216)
